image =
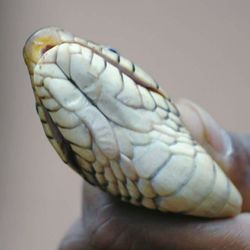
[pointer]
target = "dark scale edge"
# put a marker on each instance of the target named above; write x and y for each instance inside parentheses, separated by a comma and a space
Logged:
(66, 149)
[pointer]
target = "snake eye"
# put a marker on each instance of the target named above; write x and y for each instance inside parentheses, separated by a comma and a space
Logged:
(113, 50)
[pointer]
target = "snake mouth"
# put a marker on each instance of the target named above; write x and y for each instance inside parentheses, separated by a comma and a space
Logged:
(39, 43)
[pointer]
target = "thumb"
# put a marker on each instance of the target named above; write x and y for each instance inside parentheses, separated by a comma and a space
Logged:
(207, 132)
(230, 151)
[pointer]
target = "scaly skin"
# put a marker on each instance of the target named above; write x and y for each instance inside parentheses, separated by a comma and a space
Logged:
(113, 124)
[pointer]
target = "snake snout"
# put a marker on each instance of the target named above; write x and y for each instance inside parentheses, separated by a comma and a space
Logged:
(40, 42)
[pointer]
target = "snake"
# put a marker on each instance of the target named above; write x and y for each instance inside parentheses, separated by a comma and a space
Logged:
(113, 124)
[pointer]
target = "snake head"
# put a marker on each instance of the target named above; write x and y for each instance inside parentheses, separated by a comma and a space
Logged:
(40, 42)
(110, 121)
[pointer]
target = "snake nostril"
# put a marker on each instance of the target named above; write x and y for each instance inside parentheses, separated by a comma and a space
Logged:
(46, 48)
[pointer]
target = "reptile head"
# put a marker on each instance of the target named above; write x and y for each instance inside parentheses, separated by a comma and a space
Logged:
(40, 42)
(110, 121)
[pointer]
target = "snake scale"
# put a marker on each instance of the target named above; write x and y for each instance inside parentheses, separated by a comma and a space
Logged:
(113, 124)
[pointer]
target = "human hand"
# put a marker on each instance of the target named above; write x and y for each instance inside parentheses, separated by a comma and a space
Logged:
(107, 223)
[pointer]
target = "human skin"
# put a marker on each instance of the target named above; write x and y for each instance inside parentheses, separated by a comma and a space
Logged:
(107, 223)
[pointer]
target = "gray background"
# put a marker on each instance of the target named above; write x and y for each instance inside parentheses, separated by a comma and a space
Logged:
(195, 49)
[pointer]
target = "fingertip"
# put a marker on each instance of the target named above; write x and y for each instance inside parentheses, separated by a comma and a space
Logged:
(191, 119)
(206, 131)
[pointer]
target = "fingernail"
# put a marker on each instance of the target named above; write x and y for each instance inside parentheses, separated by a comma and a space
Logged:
(205, 129)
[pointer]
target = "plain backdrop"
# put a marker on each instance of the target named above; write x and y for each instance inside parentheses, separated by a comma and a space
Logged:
(195, 49)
